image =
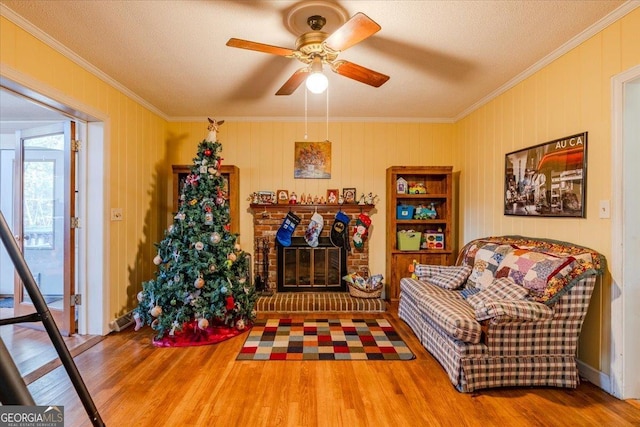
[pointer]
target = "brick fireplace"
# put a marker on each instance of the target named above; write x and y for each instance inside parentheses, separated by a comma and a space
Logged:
(267, 219)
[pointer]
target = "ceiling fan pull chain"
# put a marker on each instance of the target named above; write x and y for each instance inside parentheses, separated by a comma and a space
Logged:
(305, 114)
(327, 116)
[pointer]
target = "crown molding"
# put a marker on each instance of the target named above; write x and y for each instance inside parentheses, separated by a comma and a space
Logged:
(318, 119)
(612, 17)
(26, 25)
(574, 42)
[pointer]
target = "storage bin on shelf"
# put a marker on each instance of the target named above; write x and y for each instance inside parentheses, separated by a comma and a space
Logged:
(434, 239)
(409, 240)
(404, 212)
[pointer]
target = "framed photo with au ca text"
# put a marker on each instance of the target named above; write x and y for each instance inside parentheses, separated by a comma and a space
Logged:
(549, 179)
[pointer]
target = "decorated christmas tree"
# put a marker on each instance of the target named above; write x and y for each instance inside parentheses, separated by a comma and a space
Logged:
(201, 293)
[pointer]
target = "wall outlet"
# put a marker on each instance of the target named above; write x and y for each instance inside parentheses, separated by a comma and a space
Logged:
(116, 214)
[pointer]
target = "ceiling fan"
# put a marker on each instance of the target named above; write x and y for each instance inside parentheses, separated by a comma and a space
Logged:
(316, 48)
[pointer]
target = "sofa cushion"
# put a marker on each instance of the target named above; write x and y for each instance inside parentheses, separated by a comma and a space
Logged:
(454, 316)
(416, 289)
(501, 311)
(486, 260)
(499, 289)
(447, 277)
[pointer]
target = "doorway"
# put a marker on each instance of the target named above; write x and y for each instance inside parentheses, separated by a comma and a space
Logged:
(625, 271)
(38, 200)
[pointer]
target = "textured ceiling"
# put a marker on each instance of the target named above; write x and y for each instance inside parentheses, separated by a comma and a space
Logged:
(443, 57)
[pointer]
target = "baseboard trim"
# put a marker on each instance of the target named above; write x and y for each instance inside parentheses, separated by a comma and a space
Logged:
(594, 376)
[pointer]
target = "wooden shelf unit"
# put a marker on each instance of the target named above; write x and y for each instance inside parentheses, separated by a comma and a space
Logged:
(230, 173)
(438, 183)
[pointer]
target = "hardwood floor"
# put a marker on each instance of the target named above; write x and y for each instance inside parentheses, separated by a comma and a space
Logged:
(135, 384)
(32, 350)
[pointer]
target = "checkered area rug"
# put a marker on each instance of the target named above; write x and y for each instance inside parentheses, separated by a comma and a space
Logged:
(324, 339)
(309, 302)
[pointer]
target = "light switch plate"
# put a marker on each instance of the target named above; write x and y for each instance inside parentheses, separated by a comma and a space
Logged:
(604, 210)
(116, 214)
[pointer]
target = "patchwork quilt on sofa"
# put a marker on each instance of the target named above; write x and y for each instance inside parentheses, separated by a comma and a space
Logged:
(509, 313)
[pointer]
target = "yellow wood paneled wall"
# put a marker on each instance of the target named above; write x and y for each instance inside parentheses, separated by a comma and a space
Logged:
(135, 157)
(361, 152)
(569, 96)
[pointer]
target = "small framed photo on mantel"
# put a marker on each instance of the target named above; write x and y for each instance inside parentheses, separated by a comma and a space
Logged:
(349, 195)
(283, 197)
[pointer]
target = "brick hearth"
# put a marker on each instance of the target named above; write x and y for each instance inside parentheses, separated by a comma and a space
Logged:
(267, 219)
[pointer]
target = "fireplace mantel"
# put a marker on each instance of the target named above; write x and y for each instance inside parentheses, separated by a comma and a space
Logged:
(299, 207)
(267, 219)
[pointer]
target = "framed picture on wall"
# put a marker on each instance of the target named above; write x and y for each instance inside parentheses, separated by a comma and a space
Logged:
(548, 179)
(312, 160)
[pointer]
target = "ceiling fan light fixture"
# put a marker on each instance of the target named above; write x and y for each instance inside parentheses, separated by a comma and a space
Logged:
(317, 82)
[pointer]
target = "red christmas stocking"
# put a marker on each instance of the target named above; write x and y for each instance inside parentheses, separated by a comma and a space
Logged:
(361, 230)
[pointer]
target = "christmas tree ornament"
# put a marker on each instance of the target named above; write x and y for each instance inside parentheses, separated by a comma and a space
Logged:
(212, 268)
(176, 278)
(313, 230)
(157, 260)
(139, 321)
(284, 233)
(155, 324)
(232, 257)
(215, 238)
(207, 153)
(203, 323)
(230, 302)
(240, 325)
(180, 216)
(170, 228)
(199, 246)
(193, 202)
(223, 290)
(140, 296)
(361, 230)
(199, 283)
(208, 218)
(203, 169)
(156, 311)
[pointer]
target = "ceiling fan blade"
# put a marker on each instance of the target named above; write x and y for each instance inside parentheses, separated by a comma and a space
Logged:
(359, 73)
(356, 29)
(294, 82)
(260, 47)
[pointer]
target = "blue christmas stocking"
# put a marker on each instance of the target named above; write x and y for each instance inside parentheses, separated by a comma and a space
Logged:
(285, 231)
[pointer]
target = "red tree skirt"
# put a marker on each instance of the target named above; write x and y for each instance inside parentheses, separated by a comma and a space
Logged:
(192, 335)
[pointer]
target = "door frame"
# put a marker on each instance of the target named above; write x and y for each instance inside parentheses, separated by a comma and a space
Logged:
(93, 274)
(625, 344)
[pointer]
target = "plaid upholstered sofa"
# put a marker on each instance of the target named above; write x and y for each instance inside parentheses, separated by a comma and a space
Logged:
(509, 313)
